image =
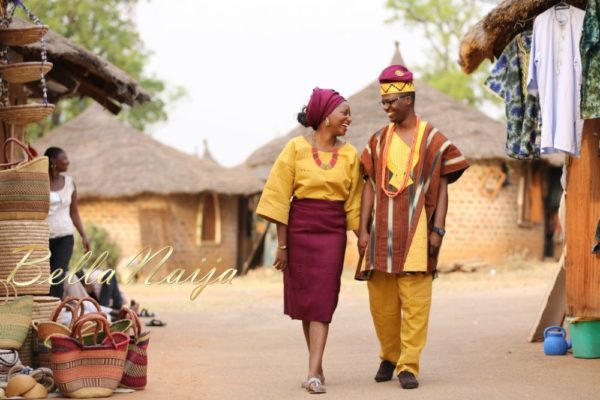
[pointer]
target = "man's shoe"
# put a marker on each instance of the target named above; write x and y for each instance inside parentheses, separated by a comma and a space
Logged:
(407, 380)
(385, 371)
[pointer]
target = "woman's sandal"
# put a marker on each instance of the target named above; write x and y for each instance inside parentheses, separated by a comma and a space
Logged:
(315, 386)
(146, 314)
(304, 384)
(156, 322)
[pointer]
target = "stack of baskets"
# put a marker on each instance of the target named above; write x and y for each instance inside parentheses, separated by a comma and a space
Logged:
(24, 184)
(24, 197)
(23, 72)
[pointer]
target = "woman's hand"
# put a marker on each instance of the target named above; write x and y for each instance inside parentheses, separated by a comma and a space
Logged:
(86, 243)
(435, 242)
(281, 260)
(363, 240)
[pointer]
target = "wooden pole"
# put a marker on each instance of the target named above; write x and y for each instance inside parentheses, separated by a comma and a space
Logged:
(583, 214)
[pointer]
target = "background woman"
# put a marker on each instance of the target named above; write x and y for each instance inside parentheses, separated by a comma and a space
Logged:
(321, 176)
(63, 214)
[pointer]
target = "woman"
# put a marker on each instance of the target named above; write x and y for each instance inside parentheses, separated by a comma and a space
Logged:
(321, 176)
(63, 214)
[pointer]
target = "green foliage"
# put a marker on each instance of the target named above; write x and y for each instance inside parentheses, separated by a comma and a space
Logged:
(100, 241)
(443, 23)
(107, 29)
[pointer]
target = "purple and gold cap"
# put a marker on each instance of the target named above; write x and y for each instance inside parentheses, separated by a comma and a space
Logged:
(396, 79)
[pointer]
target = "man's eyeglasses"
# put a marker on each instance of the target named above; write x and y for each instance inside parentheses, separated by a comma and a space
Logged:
(389, 102)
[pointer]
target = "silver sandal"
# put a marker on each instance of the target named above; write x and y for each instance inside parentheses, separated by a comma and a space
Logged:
(304, 384)
(315, 386)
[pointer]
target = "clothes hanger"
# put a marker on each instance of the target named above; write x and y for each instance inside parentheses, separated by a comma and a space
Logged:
(562, 5)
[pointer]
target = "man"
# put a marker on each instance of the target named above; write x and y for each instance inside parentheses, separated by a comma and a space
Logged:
(408, 165)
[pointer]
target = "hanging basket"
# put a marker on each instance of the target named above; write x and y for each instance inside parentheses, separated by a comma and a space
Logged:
(26, 113)
(24, 72)
(22, 36)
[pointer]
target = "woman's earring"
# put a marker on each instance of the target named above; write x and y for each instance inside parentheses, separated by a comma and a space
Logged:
(327, 122)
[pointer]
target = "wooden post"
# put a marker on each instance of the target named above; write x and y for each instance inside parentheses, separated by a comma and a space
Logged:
(583, 214)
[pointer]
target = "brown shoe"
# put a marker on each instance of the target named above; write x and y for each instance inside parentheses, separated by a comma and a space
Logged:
(385, 371)
(407, 380)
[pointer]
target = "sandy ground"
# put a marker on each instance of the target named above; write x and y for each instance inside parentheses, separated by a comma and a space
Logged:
(233, 342)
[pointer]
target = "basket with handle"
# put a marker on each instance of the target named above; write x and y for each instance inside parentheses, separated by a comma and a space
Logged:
(15, 317)
(121, 325)
(135, 375)
(86, 371)
(44, 329)
(24, 186)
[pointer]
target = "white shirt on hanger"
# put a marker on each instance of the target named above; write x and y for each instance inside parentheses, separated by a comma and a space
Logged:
(555, 74)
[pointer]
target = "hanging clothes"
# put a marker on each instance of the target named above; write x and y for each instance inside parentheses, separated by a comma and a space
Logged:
(508, 80)
(590, 61)
(555, 74)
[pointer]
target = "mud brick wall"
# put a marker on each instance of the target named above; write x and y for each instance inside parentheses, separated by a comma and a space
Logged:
(481, 227)
(166, 220)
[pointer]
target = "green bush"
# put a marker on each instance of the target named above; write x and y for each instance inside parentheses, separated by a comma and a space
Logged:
(100, 242)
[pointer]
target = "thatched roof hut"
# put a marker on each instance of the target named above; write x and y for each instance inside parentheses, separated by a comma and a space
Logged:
(110, 159)
(477, 135)
(79, 72)
(489, 37)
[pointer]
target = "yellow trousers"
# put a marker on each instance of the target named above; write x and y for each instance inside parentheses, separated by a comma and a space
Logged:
(400, 309)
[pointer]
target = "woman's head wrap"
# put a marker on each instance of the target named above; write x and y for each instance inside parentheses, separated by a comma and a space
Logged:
(322, 103)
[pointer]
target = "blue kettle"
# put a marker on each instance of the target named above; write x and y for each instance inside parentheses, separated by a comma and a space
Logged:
(555, 343)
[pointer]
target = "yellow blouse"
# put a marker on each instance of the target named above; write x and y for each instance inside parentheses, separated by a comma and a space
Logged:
(416, 260)
(295, 173)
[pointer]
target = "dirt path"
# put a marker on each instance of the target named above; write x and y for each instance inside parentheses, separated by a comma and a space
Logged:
(234, 343)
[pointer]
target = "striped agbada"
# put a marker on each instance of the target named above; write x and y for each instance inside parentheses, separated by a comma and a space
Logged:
(396, 218)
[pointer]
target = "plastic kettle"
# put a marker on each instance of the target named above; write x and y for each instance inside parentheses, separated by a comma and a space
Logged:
(555, 343)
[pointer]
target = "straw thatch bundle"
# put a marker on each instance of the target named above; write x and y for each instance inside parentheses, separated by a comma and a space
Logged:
(489, 37)
(78, 71)
(110, 159)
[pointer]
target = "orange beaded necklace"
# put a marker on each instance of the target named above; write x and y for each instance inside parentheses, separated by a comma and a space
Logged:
(386, 150)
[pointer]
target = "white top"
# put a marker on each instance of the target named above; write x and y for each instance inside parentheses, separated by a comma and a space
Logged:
(555, 74)
(59, 217)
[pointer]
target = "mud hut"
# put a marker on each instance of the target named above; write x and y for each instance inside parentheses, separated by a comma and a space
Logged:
(148, 194)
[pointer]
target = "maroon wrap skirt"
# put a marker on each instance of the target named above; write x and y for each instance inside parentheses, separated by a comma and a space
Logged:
(316, 240)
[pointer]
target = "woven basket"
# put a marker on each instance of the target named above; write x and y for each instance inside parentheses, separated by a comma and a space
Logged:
(21, 36)
(15, 318)
(24, 187)
(15, 234)
(8, 359)
(136, 364)
(48, 325)
(25, 114)
(43, 307)
(26, 352)
(24, 72)
(88, 371)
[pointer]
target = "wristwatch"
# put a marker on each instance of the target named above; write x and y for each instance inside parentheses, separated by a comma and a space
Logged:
(439, 231)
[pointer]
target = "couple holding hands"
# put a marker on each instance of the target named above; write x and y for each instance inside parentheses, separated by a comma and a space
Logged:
(394, 196)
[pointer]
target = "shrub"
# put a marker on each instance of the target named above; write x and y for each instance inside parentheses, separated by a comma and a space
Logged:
(100, 242)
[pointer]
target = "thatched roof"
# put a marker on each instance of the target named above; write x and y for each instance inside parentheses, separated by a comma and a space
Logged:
(477, 135)
(79, 72)
(110, 159)
(489, 37)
